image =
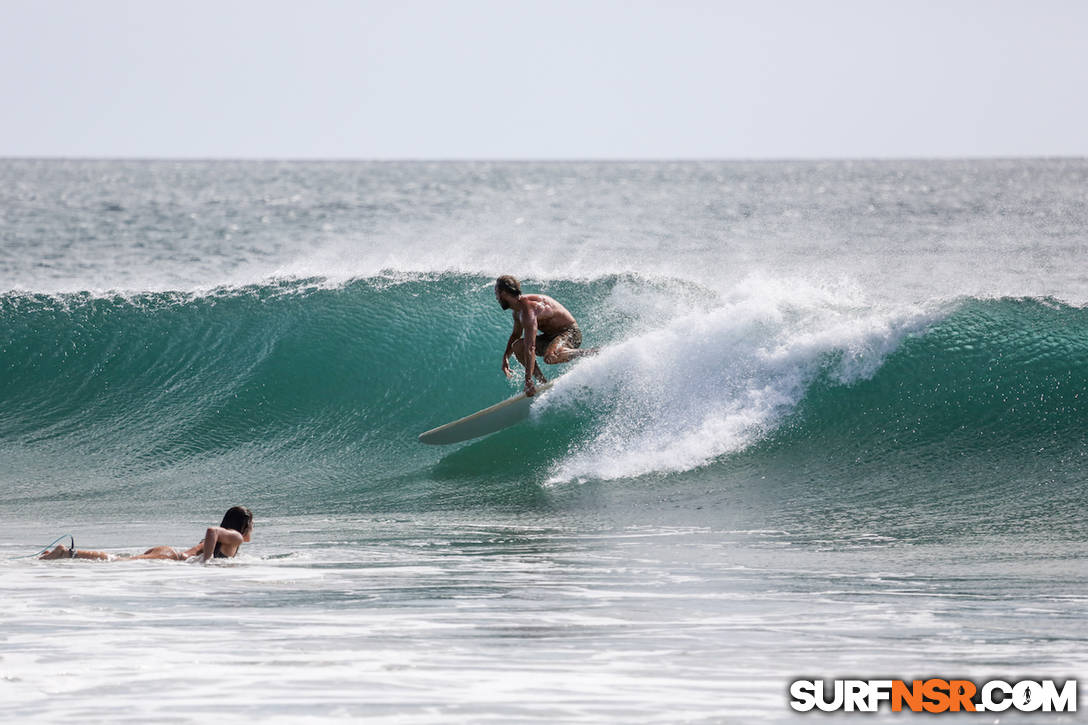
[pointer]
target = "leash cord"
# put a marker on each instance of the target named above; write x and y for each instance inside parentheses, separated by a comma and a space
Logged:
(71, 540)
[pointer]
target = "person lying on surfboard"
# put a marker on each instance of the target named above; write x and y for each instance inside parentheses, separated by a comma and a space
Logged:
(219, 542)
(542, 327)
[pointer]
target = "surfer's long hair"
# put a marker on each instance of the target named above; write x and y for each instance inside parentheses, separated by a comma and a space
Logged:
(238, 518)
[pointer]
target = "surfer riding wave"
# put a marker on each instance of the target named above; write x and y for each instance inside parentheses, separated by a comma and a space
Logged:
(542, 327)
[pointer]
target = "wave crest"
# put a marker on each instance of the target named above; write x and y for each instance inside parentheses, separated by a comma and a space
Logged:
(299, 386)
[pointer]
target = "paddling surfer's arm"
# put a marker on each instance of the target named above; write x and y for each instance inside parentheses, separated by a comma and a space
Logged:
(510, 347)
(219, 535)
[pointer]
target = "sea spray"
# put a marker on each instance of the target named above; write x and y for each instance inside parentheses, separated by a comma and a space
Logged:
(721, 374)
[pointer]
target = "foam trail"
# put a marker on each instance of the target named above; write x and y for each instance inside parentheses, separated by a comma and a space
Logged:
(712, 381)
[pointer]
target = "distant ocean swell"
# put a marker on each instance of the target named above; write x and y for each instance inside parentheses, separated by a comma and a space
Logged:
(323, 389)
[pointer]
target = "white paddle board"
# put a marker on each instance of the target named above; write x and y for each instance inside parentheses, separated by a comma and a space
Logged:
(489, 420)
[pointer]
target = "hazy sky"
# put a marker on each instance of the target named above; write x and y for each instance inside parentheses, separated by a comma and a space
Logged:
(548, 79)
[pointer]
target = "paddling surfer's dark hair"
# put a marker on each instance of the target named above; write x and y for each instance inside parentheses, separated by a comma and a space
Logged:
(508, 283)
(238, 518)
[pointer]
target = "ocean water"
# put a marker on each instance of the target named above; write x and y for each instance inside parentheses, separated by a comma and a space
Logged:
(838, 428)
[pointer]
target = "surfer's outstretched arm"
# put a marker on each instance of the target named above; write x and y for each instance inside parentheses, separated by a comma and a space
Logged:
(506, 355)
(514, 337)
(529, 345)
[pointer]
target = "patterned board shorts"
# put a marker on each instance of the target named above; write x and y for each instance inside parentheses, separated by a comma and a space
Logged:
(571, 335)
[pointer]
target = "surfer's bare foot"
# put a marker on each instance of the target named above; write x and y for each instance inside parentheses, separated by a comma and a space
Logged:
(61, 552)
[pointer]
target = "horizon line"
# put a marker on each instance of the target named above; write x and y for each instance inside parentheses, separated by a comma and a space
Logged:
(540, 160)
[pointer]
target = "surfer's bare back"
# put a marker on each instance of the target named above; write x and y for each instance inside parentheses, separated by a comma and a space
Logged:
(542, 327)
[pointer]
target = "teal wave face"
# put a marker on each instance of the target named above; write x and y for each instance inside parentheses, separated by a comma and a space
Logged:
(312, 398)
(280, 386)
(992, 374)
(975, 427)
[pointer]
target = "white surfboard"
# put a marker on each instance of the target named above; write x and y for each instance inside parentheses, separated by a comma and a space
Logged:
(489, 420)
